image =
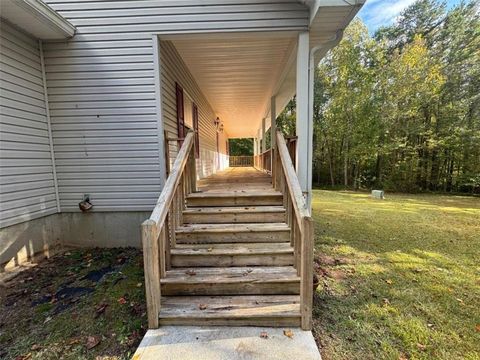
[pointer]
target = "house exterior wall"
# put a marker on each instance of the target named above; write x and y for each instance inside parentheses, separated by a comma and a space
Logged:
(102, 93)
(27, 188)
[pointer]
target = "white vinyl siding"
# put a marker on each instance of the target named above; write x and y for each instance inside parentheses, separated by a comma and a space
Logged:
(102, 93)
(27, 188)
(175, 70)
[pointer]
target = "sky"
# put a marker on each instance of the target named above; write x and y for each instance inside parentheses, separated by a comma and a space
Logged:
(376, 13)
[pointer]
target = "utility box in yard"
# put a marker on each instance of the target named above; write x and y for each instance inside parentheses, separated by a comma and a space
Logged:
(378, 194)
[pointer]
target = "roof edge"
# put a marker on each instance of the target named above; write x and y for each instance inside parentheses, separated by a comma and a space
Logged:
(46, 15)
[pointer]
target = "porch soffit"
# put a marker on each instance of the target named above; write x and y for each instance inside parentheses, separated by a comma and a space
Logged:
(237, 73)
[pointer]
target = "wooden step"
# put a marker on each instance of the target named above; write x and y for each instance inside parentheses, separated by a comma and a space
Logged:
(232, 233)
(231, 281)
(240, 254)
(235, 198)
(270, 310)
(234, 214)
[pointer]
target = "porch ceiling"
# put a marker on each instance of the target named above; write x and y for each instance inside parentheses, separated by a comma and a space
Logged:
(237, 73)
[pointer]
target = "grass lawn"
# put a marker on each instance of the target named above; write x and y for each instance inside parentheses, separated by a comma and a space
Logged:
(399, 278)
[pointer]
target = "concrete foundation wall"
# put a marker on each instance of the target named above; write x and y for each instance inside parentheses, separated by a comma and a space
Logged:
(106, 229)
(23, 242)
(38, 238)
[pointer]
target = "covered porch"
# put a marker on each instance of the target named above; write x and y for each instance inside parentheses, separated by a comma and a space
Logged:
(234, 246)
(227, 85)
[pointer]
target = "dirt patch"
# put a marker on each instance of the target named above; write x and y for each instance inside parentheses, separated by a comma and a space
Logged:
(85, 304)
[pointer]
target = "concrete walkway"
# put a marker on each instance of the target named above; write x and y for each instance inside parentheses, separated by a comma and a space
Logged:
(226, 343)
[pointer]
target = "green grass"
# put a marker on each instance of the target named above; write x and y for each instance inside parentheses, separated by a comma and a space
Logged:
(399, 278)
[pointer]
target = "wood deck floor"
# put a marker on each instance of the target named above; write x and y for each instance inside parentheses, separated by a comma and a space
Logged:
(236, 179)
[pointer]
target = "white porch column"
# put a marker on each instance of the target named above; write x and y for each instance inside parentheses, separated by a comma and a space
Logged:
(264, 142)
(304, 142)
(273, 135)
(273, 127)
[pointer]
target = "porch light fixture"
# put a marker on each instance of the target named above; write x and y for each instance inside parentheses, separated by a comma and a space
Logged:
(218, 124)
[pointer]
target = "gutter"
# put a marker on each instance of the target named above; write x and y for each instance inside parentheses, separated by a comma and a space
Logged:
(45, 15)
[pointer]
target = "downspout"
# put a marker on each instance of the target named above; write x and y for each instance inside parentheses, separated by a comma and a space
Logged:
(311, 77)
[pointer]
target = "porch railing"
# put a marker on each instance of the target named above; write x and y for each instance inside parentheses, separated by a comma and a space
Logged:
(240, 161)
(158, 232)
(301, 225)
(263, 161)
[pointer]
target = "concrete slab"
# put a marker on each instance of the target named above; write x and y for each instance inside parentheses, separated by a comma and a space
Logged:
(226, 343)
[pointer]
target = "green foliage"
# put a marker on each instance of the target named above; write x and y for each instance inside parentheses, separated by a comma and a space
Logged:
(401, 110)
(241, 147)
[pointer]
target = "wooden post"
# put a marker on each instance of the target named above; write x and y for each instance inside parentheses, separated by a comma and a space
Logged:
(273, 138)
(151, 267)
(167, 153)
(193, 170)
(306, 279)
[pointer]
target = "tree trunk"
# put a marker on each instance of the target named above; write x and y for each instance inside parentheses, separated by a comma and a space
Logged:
(345, 165)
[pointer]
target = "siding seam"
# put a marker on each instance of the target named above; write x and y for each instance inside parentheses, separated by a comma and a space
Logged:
(49, 125)
(157, 68)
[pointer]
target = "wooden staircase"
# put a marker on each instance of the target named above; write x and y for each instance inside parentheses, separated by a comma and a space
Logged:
(233, 265)
(229, 251)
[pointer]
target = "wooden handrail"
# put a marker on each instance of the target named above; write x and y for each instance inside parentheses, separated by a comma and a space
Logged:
(158, 232)
(160, 210)
(300, 223)
(291, 178)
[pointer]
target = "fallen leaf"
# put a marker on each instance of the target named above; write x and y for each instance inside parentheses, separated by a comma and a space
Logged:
(430, 325)
(477, 328)
(139, 285)
(100, 309)
(210, 249)
(459, 300)
(47, 319)
(202, 306)
(421, 347)
(73, 341)
(35, 347)
(389, 282)
(24, 357)
(122, 300)
(288, 333)
(190, 272)
(92, 341)
(264, 335)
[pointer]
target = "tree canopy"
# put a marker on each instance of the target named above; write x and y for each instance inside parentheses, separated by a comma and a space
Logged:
(400, 110)
(240, 147)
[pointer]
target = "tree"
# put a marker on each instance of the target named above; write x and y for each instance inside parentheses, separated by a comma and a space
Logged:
(240, 147)
(401, 110)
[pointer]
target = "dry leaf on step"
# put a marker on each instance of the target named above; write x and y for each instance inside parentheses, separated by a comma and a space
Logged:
(389, 282)
(288, 333)
(202, 306)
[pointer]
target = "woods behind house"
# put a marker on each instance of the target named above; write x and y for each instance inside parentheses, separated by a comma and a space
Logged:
(400, 110)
